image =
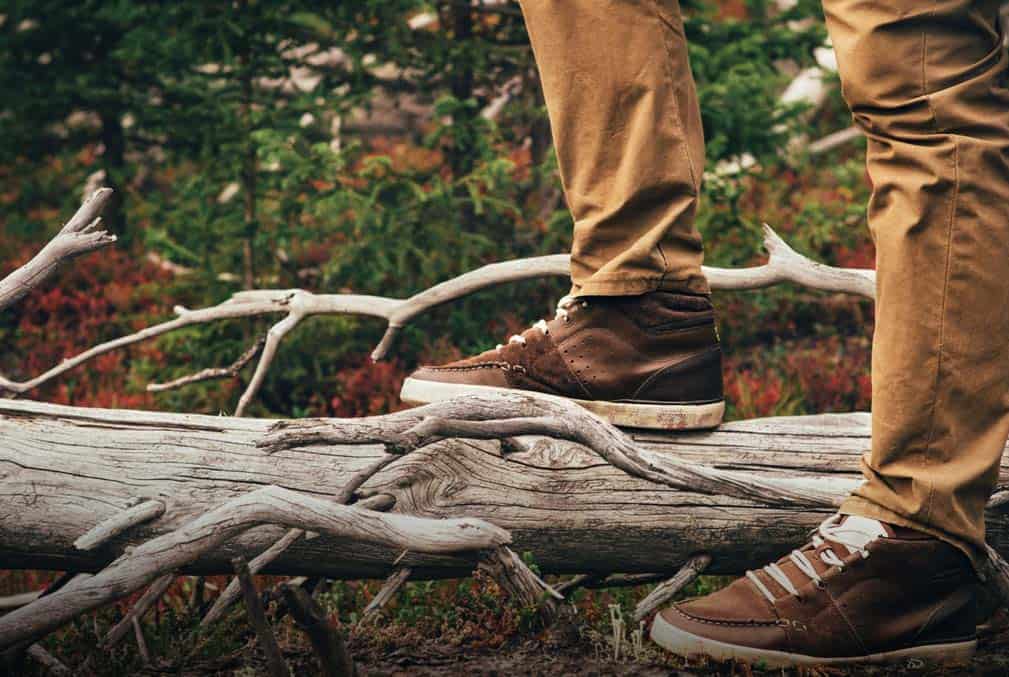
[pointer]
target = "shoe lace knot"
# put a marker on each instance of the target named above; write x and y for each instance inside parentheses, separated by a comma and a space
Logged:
(830, 532)
(562, 312)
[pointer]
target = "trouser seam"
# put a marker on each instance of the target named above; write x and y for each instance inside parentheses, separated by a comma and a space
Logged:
(677, 120)
(942, 323)
(927, 452)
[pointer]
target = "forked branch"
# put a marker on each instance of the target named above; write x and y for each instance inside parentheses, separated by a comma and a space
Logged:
(270, 505)
(80, 235)
(784, 265)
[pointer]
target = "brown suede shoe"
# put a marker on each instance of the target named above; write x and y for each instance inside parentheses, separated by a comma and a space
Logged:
(650, 361)
(861, 592)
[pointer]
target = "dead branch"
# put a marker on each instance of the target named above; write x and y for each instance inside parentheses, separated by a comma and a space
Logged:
(512, 415)
(392, 585)
(526, 589)
(257, 619)
(138, 636)
(137, 611)
(48, 661)
(210, 374)
(665, 592)
(344, 496)
(784, 265)
(80, 235)
(19, 600)
(327, 643)
(110, 528)
(270, 505)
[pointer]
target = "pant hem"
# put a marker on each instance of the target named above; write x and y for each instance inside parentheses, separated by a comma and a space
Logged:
(632, 287)
(861, 507)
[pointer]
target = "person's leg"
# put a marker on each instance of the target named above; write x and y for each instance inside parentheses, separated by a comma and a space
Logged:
(636, 341)
(926, 83)
(627, 131)
(889, 576)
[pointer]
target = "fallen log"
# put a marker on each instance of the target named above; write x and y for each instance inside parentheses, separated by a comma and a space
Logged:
(64, 470)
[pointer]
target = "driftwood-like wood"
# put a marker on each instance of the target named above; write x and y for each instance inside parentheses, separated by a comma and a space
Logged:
(80, 235)
(389, 589)
(65, 469)
(138, 566)
(117, 524)
(665, 592)
(783, 265)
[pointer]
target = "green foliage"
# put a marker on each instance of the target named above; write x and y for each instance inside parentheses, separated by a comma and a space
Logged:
(205, 88)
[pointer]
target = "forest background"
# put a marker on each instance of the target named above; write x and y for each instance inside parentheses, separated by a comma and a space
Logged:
(380, 147)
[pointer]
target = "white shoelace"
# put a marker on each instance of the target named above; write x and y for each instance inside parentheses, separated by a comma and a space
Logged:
(562, 313)
(854, 534)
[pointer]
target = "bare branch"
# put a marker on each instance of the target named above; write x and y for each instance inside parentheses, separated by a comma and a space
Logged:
(48, 661)
(212, 373)
(515, 414)
(327, 643)
(270, 505)
(257, 619)
(397, 579)
(138, 635)
(526, 588)
(19, 600)
(344, 496)
(110, 528)
(80, 235)
(666, 591)
(234, 591)
(784, 265)
(137, 611)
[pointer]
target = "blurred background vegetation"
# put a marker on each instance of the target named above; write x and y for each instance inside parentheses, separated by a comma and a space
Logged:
(379, 147)
(364, 147)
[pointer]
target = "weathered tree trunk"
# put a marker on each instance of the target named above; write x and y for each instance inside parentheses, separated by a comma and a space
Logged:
(63, 470)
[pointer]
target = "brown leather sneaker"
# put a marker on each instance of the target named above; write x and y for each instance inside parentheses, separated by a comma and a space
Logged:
(860, 592)
(649, 361)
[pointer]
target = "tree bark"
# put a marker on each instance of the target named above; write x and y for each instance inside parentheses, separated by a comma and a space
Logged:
(63, 470)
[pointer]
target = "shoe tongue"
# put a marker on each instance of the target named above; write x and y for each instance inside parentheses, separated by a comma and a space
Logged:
(858, 532)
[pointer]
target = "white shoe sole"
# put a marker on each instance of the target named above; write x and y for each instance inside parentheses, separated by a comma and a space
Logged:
(683, 643)
(625, 414)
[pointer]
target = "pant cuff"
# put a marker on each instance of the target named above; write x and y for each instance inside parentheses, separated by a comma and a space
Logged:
(696, 285)
(860, 507)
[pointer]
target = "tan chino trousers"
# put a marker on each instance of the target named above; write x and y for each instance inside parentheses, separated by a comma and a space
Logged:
(925, 82)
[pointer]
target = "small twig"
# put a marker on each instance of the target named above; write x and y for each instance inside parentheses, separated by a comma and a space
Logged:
(834, 140)
(392, 585)
(274, 336)
(212, 373)
(666, 591)
(233, 591)
(526, 588)
(146, 601)
(138, 634)
(118, 523)
(48, 661)
(327, 643)
(257, 619)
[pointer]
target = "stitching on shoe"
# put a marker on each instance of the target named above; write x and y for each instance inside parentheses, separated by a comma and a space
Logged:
(731, 624)
(486, 365)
